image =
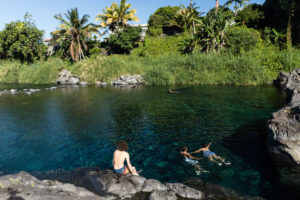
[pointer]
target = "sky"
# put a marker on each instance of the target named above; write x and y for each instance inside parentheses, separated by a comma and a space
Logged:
(43, 11)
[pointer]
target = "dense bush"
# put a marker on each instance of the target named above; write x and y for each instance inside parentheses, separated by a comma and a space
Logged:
(22, 40)
(164, 19)
(241, 38)
(251, 16)
(124, 40)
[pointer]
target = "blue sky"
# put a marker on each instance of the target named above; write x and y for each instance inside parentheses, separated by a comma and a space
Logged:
(42, 11)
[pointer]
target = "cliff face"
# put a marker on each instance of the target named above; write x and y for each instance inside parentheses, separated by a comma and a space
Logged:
(284, 127)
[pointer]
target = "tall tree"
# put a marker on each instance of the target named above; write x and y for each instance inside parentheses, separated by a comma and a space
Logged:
(186, 17)
(76, 30)
(237, 4)
(117, 16)
(217, 5)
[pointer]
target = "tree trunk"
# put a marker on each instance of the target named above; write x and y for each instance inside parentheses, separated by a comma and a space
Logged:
(289, 27)
(194, 25)
(217, 5)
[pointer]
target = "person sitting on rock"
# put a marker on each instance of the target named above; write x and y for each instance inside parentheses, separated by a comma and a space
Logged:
(211, 155)
(120, 155)
(192, 160)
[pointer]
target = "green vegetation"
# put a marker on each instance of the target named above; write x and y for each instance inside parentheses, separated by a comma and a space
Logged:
(123, 40)
(248, 68)
(74, 31)
(22, 40)
(117, 16)
(246, 47)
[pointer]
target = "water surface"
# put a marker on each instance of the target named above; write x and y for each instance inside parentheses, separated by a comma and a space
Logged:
(80, 127)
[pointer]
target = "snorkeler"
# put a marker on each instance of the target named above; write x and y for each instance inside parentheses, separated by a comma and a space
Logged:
(211, 155)
(120, 155)
(192, 160)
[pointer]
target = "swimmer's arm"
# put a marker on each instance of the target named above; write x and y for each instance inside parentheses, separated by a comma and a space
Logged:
(199, 150)
(192, 157)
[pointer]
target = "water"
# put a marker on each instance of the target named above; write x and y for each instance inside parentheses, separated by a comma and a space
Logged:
(80, 127)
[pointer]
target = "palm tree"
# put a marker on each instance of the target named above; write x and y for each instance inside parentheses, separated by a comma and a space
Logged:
(76, 30)
(237, 3)
(117, 16)
(186, 17)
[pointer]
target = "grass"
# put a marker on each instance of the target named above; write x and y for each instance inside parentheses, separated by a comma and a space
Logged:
(256, 67)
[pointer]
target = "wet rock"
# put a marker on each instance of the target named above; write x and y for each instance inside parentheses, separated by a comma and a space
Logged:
(83, 83)
(151, 185)
(28, 93)
(284, 127)
(184, 191)
(284, 134)
(281, 79)
(162, 195)
(23, 186)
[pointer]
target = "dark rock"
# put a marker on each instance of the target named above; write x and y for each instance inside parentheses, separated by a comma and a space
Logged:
(26, 187)
(281, 79)
(184, 191)
(162, 195)
(284, 127)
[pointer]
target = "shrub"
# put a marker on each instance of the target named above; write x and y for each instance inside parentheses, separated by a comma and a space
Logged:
(123, 41)
(241, 38)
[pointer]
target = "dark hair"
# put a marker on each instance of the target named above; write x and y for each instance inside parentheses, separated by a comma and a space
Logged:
(184, 148)
(204, 145)
(122, 146)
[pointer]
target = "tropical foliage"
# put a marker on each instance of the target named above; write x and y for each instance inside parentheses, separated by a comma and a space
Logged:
(124, 40)
(73, 32)
(164, 20)
(22, 40)
(117, 16)
(237, 3)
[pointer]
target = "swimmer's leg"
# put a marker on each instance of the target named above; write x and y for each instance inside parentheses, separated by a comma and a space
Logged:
(222, 159)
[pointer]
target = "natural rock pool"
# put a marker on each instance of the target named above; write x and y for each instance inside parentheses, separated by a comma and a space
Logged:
(80, 127)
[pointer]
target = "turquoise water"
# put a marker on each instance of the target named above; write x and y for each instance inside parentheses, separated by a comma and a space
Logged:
(80, 127)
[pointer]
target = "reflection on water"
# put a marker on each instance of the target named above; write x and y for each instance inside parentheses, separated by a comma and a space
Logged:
(80, 127)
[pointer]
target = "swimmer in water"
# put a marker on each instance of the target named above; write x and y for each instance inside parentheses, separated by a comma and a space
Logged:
(173, 91)
(211, 155)
(192, 160)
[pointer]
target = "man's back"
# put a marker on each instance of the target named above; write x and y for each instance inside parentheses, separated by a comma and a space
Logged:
(119, 159)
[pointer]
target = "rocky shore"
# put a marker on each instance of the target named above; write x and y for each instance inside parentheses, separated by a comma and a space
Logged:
(284, 127)
(97, 184)
(66, 78)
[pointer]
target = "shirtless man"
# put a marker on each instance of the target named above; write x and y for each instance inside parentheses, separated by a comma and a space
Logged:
(211, 155)
(120, 155)
(192, 160)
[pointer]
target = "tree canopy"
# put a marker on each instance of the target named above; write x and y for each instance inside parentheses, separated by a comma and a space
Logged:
(22, 40)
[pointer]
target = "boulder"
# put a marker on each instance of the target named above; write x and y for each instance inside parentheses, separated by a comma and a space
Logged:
(62, 80)
(74, 80)
(284, 127)
(284, 134)
(26, 187)
(151, 185)
(162, 195)
(281, 79)
(184, 191)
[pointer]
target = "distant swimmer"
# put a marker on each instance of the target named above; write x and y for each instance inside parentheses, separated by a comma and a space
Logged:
(192, 160)
(211, 155)
(173, 91)
(120, 155)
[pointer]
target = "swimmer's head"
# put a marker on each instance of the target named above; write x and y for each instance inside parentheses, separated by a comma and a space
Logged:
(122, 146)
(204, 145)
(185, 148)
